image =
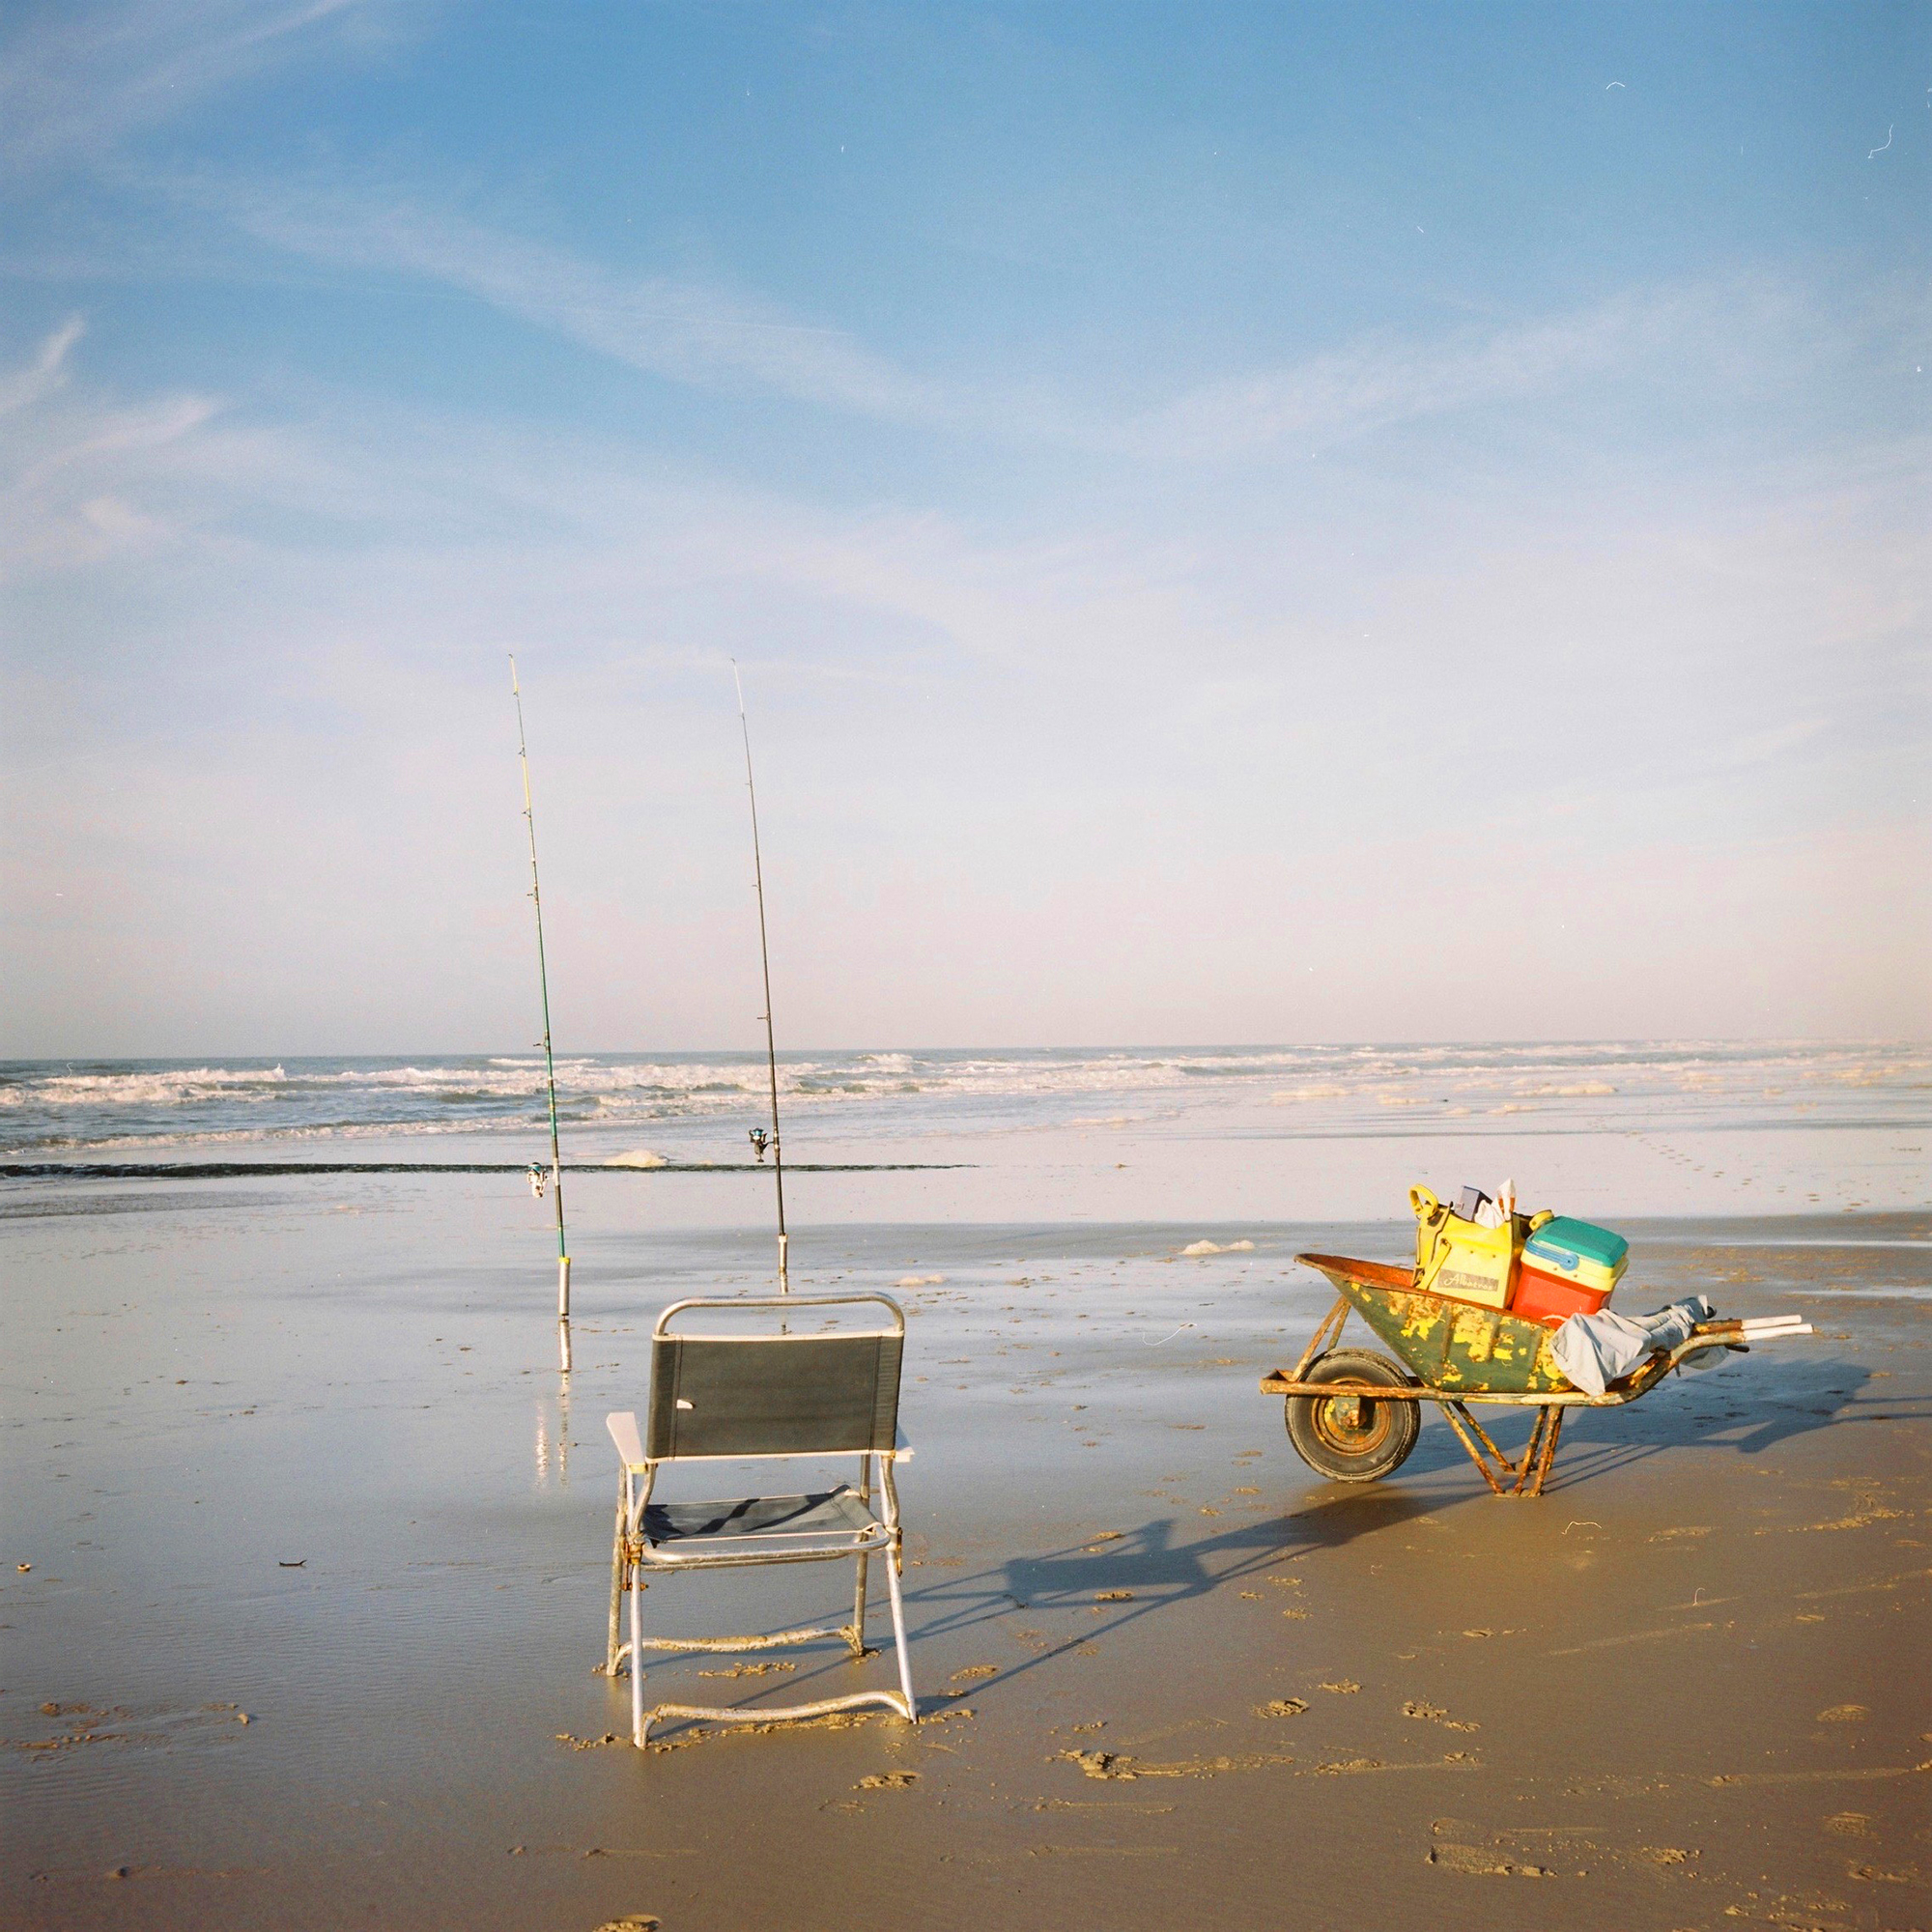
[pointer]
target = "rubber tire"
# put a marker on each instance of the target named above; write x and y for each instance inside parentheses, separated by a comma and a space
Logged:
(1378, 1444)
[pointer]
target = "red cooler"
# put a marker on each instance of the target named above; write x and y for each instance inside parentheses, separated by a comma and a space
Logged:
(1569, 1267)
(1552, 1299)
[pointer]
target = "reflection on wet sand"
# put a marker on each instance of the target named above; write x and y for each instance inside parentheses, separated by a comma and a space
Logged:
(553, 1438)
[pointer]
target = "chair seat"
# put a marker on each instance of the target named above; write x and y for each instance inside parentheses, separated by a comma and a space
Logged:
(832, 1518)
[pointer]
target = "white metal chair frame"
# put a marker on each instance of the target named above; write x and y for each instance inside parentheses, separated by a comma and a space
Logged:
(635, 1551)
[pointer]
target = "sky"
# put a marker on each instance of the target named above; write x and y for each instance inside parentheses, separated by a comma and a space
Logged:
(1237, 523)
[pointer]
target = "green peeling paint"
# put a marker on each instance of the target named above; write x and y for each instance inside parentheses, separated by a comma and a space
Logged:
(1456, 1346)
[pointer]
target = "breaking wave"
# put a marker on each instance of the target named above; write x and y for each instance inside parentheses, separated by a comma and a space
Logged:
(608, 1100)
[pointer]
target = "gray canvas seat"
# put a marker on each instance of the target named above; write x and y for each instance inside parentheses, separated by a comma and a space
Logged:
(731, 1392)
(760, 1521)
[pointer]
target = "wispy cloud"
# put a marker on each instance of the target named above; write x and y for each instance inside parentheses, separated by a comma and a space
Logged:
(1379, 380)
(714, 338)
(77, 80)
(46, 370)
(73, 469)
(462, 524)
(684, 330)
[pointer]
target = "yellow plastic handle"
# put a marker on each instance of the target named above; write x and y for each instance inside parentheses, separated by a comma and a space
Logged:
(1423, 1204)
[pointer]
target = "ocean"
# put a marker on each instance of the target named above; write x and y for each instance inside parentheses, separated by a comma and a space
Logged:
(1725, 1122)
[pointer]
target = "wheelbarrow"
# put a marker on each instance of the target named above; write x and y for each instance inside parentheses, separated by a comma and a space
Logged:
(1354, 1414)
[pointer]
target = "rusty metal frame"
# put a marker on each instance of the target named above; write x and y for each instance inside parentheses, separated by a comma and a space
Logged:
(1504, 1476)
(1328, 1333)
(1507, 1478)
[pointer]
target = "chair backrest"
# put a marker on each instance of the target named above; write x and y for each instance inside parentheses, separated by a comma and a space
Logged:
(774, 1395)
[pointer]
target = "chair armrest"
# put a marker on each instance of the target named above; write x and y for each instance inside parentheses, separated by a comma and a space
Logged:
(623, 1427)
(902, 1449)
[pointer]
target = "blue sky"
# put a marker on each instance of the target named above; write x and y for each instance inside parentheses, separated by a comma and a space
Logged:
(1240, 524)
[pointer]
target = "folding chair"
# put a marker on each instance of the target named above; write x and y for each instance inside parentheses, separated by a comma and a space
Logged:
(730, 1396)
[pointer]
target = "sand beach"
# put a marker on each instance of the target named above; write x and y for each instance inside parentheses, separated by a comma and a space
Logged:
(306, 1549)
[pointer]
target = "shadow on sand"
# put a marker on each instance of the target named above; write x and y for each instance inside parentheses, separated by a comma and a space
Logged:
(1153, 1570)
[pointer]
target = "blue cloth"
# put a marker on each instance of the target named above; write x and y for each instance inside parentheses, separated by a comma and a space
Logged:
(1594, 1351)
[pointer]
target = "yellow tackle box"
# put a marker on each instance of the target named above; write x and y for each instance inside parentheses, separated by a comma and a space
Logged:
(1462, 1259)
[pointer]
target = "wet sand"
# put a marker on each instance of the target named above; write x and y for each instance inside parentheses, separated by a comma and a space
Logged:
(319, 1543)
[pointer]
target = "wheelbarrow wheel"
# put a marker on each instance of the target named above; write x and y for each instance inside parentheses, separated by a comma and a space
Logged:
(1354, 1439)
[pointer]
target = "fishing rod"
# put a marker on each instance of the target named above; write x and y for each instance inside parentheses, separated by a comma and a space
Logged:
(765, 954)
(550, 1061)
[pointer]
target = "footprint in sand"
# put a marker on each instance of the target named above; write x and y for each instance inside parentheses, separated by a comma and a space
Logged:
(1844, 1713)
(1345, 1686)
(1458, 1854)
(1435, 1714)
(1873, 1875)
(1479, 1861)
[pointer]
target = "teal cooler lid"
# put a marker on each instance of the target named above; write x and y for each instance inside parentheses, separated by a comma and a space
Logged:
(1565, 1242)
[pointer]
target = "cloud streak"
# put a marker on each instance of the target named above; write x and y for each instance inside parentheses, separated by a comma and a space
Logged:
(71, 468)
(714, 339)
(78, 81)
(45, 371)
(685, 331)
(1379, 380)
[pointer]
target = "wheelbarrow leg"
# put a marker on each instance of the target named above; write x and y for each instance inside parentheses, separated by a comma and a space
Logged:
(1505, 1476)
(1462, 1423)
(1546, 1459)
(1329, 1332)
(1531, 1455)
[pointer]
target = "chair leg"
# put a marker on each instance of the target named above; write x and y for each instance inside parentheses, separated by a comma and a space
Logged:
(859, 1610)
(899, 1637)
(636, 1655)
(616, 1589)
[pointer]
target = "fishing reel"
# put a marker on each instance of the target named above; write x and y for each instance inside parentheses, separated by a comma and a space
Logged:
(539, 1178)
(760, 1141)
